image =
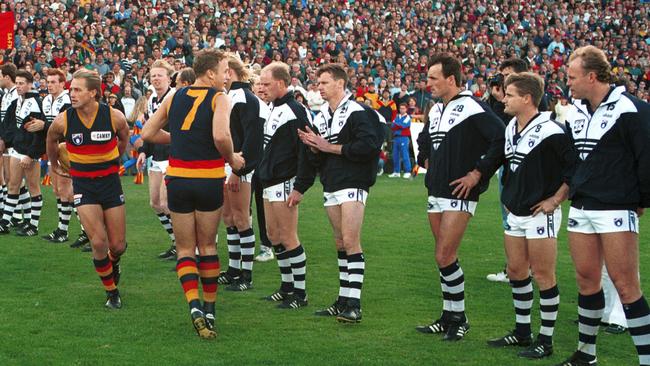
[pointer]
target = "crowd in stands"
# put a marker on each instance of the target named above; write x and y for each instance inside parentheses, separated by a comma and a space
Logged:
(385, 44)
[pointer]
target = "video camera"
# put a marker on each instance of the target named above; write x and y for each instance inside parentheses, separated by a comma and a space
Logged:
(496, 80)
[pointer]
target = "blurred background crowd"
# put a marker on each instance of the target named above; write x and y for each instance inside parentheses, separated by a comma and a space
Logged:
(386, 44)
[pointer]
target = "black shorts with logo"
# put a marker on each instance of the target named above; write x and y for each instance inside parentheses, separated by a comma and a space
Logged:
(104, 191)
(185, 195)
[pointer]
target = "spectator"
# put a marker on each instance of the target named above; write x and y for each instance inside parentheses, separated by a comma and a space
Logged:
(314, 99)
(401, 128)
(387, 107)
(422, 96)
(561, 109)
(128, 100)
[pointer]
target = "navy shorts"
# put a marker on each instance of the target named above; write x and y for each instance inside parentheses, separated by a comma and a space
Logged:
(104, 191)
(186, 195)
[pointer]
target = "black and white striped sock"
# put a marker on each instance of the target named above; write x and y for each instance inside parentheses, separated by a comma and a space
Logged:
(166, 222)
(10, 206)
(356, 269)
(247, 245)
(234, 251)
(282, 255)
(37, 206)
(64, 218)
(58, 211)
(590, 312)
(3, 195)
(549, 303)
(522, 297)
(638, 322)
(299, 270)
(344, 285)
(24, 205)
(454, 285)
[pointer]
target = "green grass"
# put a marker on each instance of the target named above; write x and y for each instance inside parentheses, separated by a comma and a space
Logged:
(51, 305)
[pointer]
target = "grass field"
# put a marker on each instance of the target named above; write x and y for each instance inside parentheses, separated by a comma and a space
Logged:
(52, 313)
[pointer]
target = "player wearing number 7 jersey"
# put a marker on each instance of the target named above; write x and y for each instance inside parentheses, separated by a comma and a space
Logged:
(200, 144)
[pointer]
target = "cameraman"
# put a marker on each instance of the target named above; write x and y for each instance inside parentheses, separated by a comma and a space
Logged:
(497, 92)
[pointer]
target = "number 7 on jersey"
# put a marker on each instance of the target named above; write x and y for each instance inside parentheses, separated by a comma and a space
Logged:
(199, 95)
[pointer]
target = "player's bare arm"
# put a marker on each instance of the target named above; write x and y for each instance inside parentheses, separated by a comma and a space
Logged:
(153, 130)
(121, 129)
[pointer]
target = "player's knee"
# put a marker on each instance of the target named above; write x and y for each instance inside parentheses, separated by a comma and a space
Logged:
(34, 190)
(13, 187)
(445, 256)
(628, 288)
(156, 206)
(241, 219)
(588, 283)
(517, 271)
(544, 279)
(228, 220)
(353, 248)
(271, 235)
(118, 248)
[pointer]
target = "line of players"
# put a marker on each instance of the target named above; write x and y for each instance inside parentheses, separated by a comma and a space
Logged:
(24, 120)
(462, 145)
(599, 160)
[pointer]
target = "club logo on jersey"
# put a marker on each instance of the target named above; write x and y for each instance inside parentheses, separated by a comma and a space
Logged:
(603, 124)
(278, 194)
(434, 122)
(618, 221)
(572, 223)
(77, 138)
(513, 166)
(578, 125)
(531, 143)
(100, 135)
(540, 230)
(350, 194)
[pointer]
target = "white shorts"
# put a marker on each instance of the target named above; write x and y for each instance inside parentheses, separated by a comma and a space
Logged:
(602, 221)
(279, 192)
(540, 226)
(248, 178)
(345, 195)
(438, 205)
(15, 154)
(159, 166)
(8, 152)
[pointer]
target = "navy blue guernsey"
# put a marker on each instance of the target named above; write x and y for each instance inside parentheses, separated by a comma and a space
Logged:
(192, 150)
(613, 145)
(539, 158)
(247, 119)
(462, 136)
(285, 156)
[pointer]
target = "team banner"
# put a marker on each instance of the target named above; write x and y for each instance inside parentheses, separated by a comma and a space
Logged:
(7, 30)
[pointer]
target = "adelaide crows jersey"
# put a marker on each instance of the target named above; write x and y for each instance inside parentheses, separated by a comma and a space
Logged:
(192, 150)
